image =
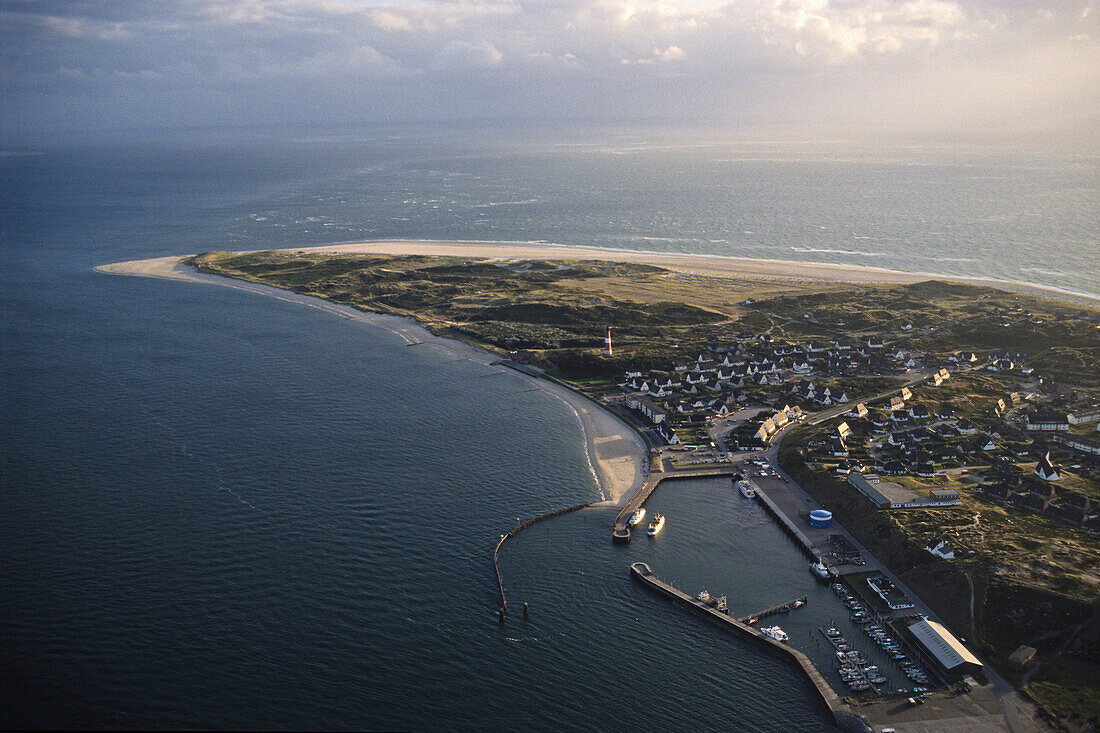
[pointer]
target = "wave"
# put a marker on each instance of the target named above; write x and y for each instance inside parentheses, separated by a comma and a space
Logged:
(826, 250)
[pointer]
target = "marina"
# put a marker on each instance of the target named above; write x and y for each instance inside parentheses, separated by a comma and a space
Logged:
(839, 711)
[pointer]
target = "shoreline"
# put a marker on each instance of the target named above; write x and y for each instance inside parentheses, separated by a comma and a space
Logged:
(614, 452)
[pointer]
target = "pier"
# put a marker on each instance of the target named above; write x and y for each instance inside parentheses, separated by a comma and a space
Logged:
(621, 532)
(788, 526)
(781, 608)
(841, 715)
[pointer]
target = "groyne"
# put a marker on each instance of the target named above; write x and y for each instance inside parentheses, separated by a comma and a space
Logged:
(842, 717)
(512, 533)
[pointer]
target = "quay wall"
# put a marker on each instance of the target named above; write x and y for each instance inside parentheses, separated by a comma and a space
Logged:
(838, 710)
(788, 526)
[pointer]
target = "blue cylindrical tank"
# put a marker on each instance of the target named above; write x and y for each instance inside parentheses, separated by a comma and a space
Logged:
(821, 518)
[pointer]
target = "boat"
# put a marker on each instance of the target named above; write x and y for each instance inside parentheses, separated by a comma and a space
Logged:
(637, 517)
(832, 632)
(703, 596)
(821, 570)
(774, 632)
(656, 525)
(746, 489)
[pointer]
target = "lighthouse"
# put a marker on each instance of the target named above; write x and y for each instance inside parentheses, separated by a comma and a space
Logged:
(607, 343)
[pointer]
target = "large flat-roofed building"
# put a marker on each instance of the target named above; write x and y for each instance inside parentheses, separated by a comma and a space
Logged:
(942, 645)
(888, 495)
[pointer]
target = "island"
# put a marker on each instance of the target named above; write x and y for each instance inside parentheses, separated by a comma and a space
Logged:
(950, 427)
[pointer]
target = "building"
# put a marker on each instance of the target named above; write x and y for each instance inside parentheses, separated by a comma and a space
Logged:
(888, 495)
(1046, 469)
(947, 651)
(1046, 421)
(1084, 415)
(1078, 443)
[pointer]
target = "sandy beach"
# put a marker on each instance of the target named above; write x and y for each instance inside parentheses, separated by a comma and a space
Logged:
(615, 452)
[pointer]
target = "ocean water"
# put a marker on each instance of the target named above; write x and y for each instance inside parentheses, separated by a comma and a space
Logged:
(224, 510)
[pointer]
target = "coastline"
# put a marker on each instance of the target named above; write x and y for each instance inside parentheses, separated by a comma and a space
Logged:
(614, 451)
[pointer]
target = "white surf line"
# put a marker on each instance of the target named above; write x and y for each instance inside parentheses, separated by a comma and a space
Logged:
(584, 434)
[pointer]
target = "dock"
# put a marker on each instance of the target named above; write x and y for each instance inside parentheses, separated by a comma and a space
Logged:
(788, 526)
(780, 608)
(621, 532)
(838, 710)
(859, 669)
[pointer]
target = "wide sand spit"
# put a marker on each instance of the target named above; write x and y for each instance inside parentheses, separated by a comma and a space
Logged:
(616, 454)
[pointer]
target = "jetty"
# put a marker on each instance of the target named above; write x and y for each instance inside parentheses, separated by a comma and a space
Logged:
(779, 608)
(842, 717)
(621, 532)
(512, 533)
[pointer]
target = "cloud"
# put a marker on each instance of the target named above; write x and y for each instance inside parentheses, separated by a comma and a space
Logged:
(783, 58)
(466, 56)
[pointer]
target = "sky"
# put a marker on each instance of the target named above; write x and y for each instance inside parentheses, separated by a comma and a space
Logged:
(1000, 68)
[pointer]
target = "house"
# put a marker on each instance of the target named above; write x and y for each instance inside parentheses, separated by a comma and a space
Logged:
(875, 342)
(965, 427)
(843, 468)
(843, 430)
(896, 403)
(906, 394)
(1036, 503)
(1046, 469)
(837, 449)
(894, 468)
(899, 416)
(1045, 421)
(919, 412)
(860, 410)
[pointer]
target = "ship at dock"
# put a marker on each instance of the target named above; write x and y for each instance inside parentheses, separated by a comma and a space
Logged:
(656, 525)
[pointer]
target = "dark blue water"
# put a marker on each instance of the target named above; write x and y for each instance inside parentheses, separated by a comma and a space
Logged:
(224, 510)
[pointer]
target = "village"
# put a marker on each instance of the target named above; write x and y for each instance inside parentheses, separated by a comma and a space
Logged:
(739, 395)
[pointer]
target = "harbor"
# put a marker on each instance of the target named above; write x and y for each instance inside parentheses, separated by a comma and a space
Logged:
(840, 713)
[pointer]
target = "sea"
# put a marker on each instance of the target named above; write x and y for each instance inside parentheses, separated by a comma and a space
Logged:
(224, 510)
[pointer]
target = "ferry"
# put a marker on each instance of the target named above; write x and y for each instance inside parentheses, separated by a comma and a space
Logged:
(746, 489)
(637, 516)
(656, 525)
(774, 632)
(821, 570)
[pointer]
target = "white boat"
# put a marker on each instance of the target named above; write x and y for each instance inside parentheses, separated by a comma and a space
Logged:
(656, 525)
(746, 489)
(637, 517)
(774, 632)
(821, 570)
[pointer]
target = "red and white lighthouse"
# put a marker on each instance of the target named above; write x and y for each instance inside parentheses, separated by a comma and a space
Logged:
(607, 343)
